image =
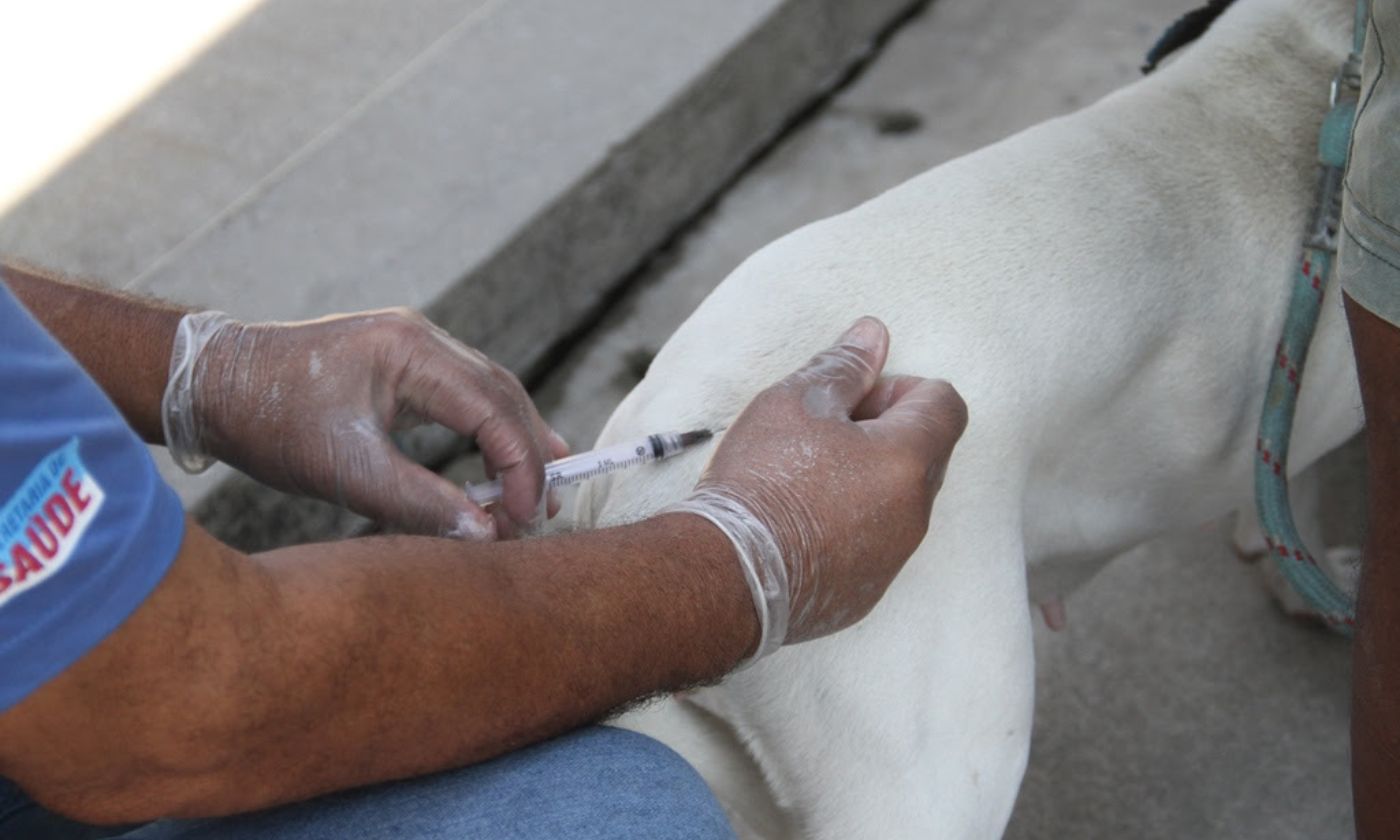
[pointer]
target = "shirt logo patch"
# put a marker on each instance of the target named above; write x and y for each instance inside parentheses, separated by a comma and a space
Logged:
(43, 522)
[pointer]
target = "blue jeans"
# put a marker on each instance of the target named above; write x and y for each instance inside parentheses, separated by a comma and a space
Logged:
(594, 783)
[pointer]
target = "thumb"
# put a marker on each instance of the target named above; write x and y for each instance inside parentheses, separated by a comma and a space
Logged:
(418, 501)
(834, 381)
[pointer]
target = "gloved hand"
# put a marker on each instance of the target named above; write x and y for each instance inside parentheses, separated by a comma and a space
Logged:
(307, 407)
(825, 484)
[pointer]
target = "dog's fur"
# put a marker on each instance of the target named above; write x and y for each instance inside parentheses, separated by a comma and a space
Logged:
(1105, 291)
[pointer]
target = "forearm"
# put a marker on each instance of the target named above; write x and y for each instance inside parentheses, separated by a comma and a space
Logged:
(323, 667)
(122, 341)
(1376, 671)
(421, 654)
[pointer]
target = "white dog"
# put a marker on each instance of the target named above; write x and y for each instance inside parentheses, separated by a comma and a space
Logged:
(1105, 291)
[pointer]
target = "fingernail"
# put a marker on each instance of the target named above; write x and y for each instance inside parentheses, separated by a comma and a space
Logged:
(541, 512)
(474, 528)
(866, 332)
(558, 439)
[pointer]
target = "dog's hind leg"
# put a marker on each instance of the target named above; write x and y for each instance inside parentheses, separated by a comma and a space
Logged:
(1342, 563)
(712, 746)
(916, 721)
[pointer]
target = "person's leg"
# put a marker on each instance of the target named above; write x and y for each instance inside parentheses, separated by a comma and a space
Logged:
(1375, 723)
(1369, 271)
(593, 783)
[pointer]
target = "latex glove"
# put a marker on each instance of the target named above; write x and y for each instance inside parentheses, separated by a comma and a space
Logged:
(825, 484)
(307, 407)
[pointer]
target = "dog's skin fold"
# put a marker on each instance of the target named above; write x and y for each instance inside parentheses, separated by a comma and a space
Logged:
(1105, 291)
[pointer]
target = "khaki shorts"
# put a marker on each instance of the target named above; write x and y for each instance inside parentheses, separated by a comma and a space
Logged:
(1369, 246)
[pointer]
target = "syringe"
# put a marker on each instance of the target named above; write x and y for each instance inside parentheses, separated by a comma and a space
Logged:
(585, 465)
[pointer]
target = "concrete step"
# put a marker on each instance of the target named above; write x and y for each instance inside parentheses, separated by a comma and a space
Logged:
(499, 165)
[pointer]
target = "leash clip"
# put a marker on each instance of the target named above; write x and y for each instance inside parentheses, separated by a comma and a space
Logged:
(1347, 82)
(1334, 141)
(1327, 211)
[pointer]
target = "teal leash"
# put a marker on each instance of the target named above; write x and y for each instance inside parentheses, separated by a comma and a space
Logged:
(1281, 536)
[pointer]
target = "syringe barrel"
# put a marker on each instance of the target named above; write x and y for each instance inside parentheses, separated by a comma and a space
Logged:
(576, 468)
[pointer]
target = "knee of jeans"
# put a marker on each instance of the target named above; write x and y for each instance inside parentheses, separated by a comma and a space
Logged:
(652, 788)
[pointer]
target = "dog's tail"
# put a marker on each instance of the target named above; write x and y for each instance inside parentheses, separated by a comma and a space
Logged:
(1186, 29)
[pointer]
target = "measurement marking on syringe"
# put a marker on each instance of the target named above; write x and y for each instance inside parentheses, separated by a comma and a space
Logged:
(556, 479)
(588, 465)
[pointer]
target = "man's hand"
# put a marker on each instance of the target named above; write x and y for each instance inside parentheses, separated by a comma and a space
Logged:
(825, 484)
(308, 407)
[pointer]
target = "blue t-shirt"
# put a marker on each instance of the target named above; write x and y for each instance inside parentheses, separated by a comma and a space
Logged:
(87, 525)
